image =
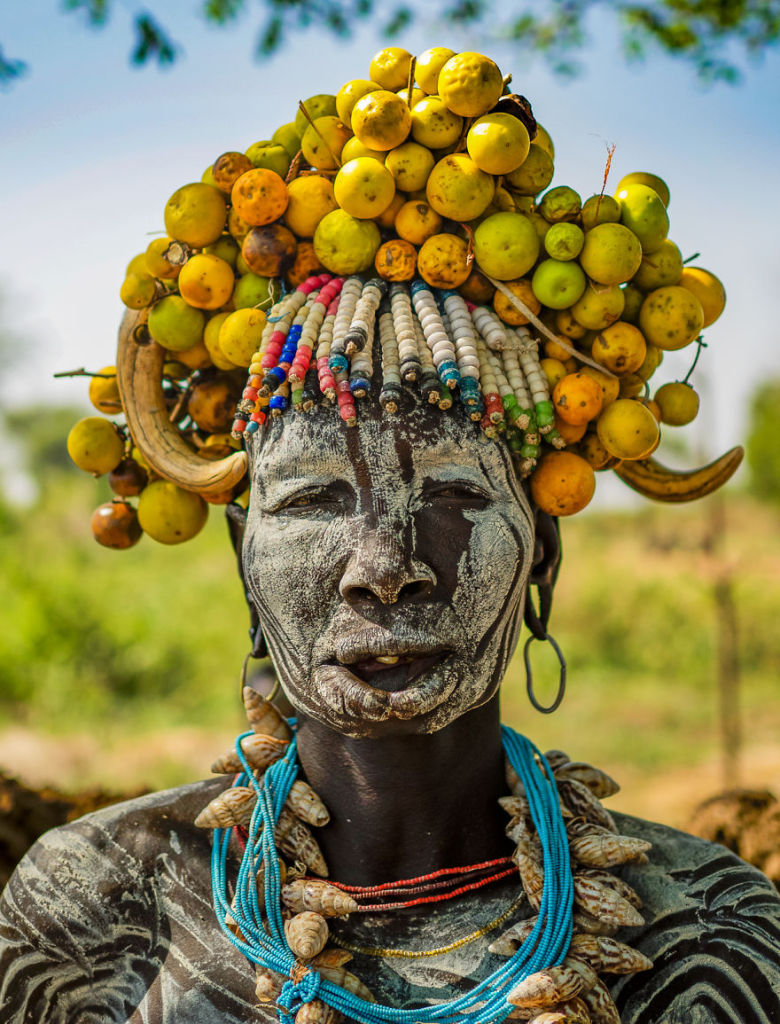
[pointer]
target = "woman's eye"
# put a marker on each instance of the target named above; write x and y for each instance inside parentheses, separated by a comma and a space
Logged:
(462, 494)
(309, 501)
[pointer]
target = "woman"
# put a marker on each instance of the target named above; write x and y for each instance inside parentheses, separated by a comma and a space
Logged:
(387, 566)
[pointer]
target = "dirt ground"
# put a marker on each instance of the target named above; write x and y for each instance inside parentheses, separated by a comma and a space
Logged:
(157, 760)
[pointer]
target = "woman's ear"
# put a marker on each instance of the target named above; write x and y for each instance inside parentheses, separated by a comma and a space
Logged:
(236, 521)
(544, 571)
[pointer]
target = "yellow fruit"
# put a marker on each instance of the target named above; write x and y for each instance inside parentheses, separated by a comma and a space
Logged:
(429, 64)
(577, 398)
(509, 313)
(560, 204)
(353, 148)
(653, 359)
(566, 324)
(211, 341)
(562, 484)
(570, 432)
(156, 264)
(390, 68)
(207, 178)
(240, 334)
(195, 214)
(237, 226)
(323, 142)
(554, 350)
(558, 283)
(642, 211)
(310, 197)
(620, 348)
(174, 324)
(610, 386)
(678, 403)
(228, 168)
(396, 260)
(212, 402)
(554, 370)
(386, 218)
(381, 120)
(433, 125)
(564, 241)
(321, 105)
(458, 189)
(611, 254)
(627, 429)
(442, 261)
(417, 95)
(671, 317)
(646, 178)
(707, 289)
(598, 307)
(170, 514)
(259, 196)
(138, 291)
(599, 210)
(633, 302)
(206, 282)
(534, 173)
(659, 268)
(544, 141)
(137, 265)
(95, 445)
(470, 84)
(594, 452)
(506, 245)
(410, 164)
(364, 187)
(498, 143)
(196, 358)
(344, 244)
(350, 93)
(631, 385)
(104, 392)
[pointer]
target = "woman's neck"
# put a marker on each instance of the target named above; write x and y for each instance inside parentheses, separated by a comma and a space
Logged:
(407, 805)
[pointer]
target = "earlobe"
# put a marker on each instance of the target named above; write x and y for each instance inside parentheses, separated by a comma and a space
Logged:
(544, 572)
(236, 522)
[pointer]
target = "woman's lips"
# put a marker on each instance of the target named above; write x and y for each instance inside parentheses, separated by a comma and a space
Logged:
(392, 673)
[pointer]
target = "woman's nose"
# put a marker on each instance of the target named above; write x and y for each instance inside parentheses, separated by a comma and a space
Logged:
(382, 567)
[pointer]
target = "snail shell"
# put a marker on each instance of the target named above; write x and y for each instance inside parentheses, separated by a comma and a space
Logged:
(574, 1011)
(233, 807)
(554, 985)
(268, 984)
(508, 942)
(516, 787)
(612, 881)
(306, 934)
(607, 954)
(605, 850)
(531, 875)
(600, 1004)
(263, 716)
(588, 925)
(515, 806)
(260, 751)
(582, 803)
(556, 758)
(317, 1012)
(338, 976)
(295, 839)
(307, 805)
(598, 782)
(604, 903)
(312, 894)
(333, 957)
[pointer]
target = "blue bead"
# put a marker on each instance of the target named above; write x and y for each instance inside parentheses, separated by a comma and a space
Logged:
(419, 285)
(337, 363)
(252, 427)
(446, 366)
(278, 402)
(359, 384)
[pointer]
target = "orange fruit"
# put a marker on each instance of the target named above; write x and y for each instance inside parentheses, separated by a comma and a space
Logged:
(396, 260)
(577, 398)
(259, 196)
(562, 484)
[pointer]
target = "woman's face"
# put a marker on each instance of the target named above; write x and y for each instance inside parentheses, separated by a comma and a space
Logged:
(388, 563)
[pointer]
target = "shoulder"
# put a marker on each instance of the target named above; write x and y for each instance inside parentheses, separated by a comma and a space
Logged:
(712, 929)
(111, 915)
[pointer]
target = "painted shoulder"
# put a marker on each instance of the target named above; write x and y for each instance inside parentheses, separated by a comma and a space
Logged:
(109, 919)
(712, 929)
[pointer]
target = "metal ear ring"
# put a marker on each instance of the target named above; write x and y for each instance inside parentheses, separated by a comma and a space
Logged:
(242, 681)
(529, 679)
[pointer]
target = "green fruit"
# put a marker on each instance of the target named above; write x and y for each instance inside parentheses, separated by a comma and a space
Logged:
(226, 247)
(534, 173)
(176, 325)
(344, 244)
(271, 155)
(642, 211)
(138, 291)
(597, 308)
(634, 298)
(561, 203)
(599, 210)
(251, 290)
(659, 268)
(646, 178)
(95, 445)
(321, 105)
(558, 284)
(564, 241)
(287, 135)
(611, 254)
(678, 403)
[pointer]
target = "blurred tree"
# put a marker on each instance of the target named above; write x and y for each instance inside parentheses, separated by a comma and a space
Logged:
(763, 452)
(709, 35)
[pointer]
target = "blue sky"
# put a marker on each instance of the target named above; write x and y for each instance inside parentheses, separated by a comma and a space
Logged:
(92, 149)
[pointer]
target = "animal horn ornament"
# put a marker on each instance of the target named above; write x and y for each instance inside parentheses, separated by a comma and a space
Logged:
(321, 285)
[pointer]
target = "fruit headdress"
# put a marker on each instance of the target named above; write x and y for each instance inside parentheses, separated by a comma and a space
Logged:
(404, 222)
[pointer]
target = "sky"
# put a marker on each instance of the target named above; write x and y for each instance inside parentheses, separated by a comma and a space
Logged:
(93, 148)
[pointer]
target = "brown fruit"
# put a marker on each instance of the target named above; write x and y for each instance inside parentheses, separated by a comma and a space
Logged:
(270, 250)
(128, 478)
(212, 405)
(115, 525)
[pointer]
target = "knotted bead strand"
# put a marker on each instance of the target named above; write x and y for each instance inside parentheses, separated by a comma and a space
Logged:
(361, 329)
(350, 293)
(326, 381)
(528, 351)
(430, 385)
(442, 349)
(464, 336)
(403, 324)
(390, 395)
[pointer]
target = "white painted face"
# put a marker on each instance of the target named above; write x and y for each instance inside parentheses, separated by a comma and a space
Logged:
(403, 538)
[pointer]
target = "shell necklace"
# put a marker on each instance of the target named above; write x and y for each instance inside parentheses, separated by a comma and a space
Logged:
(549, 974)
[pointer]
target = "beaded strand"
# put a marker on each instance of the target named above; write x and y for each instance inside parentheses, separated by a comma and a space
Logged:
(464, 337)
(390, 395)
(403, 325)
(361, 329)
(429, 378)
(350, 294)
(436, 337)
(528, 352)
(327, 384)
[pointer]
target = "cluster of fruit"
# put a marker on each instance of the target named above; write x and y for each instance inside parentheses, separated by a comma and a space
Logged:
(428, 168)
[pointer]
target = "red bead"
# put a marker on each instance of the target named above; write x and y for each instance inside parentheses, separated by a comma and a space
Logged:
(250, 393)
(239, 426)
(258, 417)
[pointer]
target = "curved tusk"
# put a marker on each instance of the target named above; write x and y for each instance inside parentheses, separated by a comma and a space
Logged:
(655, 481)
(139, 366)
